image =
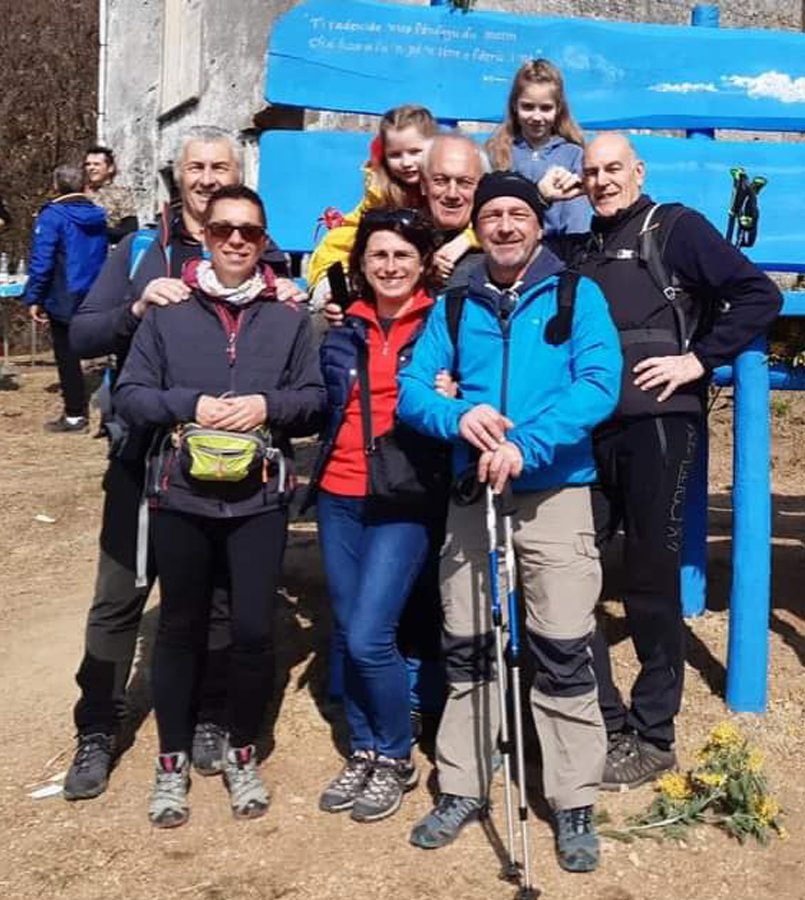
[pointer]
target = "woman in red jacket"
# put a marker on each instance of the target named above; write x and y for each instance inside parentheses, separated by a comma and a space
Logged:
(373, 547)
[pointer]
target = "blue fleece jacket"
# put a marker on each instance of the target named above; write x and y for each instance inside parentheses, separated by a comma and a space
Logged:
(68, 248)
(555, 395)
(565, 217)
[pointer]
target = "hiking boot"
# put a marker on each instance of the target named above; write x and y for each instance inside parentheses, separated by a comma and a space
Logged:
(168, 807)
(631, 761)
(341, 792)
(208, 748)
(443, 823)
(247, 793)
(577, 844)
(65, 425)
(382, 794)
(88, 774)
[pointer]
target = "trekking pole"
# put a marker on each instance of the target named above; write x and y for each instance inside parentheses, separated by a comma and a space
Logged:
(510, 870)
(749, 214)
(736, 200)
(527, 890)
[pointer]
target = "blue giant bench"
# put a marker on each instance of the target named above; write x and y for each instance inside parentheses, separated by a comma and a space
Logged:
(359, 57)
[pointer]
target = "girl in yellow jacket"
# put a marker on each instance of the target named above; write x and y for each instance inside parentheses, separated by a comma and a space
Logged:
(391, 177)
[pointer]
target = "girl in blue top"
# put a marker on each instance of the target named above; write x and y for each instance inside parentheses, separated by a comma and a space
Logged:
(539, 132)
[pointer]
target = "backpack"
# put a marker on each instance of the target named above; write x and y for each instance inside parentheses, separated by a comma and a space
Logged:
(143, 239)
(557, 330)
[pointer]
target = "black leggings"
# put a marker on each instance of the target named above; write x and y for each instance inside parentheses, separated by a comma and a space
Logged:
(643, 470)
(187, 548)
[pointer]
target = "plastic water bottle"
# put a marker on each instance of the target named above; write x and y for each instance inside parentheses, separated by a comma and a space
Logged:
(3, 268)
(22, 271)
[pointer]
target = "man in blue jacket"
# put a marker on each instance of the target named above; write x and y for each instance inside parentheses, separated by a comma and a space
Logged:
(68, 248)
(528, 401)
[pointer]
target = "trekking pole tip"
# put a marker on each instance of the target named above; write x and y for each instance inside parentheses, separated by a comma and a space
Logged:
(510, 872)
(527, 893)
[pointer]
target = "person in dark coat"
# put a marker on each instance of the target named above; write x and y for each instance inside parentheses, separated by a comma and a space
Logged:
(143, 271)
(234, 361)
(672, 338)
(68, 248)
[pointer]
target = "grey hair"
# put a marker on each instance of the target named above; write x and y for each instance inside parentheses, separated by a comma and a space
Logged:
(427, 152)
(208, 134)
(68, 179)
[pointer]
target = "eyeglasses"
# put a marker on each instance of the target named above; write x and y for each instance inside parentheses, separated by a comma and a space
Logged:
(464, 185)
(407, 218)
(222, 231)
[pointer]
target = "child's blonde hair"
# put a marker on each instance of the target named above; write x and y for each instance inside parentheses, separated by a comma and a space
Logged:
(535, 71)
(394, 194)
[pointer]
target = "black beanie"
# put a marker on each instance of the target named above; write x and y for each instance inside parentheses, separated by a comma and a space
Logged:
(508, 184)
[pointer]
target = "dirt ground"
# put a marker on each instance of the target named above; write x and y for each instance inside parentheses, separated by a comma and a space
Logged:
(106, 849)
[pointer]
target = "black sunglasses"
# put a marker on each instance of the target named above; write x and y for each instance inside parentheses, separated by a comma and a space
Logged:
(406, 218)
(222, 231)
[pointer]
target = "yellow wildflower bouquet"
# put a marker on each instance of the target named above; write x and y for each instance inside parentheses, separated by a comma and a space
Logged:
(727, 788)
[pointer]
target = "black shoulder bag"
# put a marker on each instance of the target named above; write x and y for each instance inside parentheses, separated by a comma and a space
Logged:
(407, 470)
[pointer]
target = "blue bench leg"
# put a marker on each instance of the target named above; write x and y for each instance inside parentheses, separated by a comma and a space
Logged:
(693, 577)
(748, 648)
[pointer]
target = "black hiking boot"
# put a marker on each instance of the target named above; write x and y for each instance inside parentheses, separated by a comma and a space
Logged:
(88, 774)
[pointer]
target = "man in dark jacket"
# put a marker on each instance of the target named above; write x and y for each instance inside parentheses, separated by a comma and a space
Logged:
(68, 248)
(671, 340)
(144, 270)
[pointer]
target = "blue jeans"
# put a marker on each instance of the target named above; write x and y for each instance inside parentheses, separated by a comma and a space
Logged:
(371, 566)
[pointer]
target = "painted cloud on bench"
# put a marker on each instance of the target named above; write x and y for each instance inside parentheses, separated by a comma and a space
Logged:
(773, 85)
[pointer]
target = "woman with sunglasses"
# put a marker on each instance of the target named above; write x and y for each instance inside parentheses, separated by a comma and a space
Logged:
(373, 547)
(233, 360)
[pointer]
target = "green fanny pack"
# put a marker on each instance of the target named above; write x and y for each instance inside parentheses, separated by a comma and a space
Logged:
(214, 455)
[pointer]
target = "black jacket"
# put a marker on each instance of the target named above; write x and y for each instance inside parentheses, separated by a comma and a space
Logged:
(731, 300)
(180, 352)
(104, 324)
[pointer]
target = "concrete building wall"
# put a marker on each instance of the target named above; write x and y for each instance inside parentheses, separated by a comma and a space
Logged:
(233, 43)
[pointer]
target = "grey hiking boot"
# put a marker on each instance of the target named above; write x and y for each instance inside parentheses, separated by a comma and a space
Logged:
(168, 807)
(631, 761)
(441, 826)
(247, 793)
(208, 748)
(577, 844)
(382, 794)
(88, 774)
(341, 792)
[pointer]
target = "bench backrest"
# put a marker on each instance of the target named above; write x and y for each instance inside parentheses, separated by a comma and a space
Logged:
(366, 57)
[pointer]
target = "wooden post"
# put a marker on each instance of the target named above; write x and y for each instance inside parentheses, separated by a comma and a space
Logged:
(748, 647)
(693, 576)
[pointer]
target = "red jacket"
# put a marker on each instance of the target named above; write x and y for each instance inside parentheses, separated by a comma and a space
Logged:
(346, 471)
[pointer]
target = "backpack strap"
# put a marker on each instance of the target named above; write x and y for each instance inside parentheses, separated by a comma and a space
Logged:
(651, 243)
(365, 398)
(558, 329)
(143, 238)
(454, 300)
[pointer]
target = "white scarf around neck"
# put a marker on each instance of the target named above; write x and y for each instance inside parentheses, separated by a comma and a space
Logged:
(237, 296)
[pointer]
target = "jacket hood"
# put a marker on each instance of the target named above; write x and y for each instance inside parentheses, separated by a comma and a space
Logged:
(552, 143)
(81, 212)
(544, 266)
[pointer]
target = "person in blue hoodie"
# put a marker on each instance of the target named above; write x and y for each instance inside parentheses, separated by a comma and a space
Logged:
(68, 248)
(537, 133)
(528, 399)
